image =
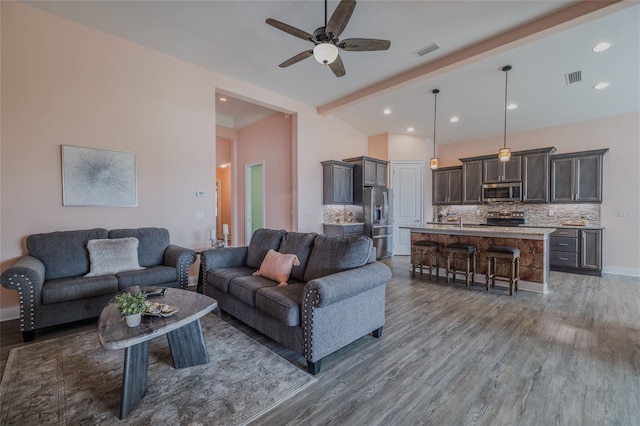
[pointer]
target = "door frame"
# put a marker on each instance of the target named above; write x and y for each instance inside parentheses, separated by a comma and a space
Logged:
(247, 197)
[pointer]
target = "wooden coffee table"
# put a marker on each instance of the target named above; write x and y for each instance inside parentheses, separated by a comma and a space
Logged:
(183, 331)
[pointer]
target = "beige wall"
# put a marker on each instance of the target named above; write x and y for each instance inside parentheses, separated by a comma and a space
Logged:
(621, 190)
(268, 141)
(224, 157)
(64, 83)
(379, 146)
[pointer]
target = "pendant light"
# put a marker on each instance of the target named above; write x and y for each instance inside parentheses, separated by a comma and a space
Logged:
(505, 153)
(434, 161)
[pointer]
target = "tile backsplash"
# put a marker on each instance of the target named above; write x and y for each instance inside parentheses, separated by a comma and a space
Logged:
(535, 214)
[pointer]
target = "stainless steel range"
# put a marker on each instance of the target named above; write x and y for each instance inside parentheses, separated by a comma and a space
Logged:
(505, 218)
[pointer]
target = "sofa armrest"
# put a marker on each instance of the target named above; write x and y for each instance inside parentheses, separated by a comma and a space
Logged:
(180, 258)
(26, 275)
(343, 285)
(227, 257)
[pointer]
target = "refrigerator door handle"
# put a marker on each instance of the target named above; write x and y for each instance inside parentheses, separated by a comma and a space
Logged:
(385, 204)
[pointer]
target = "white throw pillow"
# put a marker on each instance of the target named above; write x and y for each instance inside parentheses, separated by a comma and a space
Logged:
(112, 256)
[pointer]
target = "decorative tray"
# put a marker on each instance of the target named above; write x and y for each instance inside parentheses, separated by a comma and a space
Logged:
(159, 309)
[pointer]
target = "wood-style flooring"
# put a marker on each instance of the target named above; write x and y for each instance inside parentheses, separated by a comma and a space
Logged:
(453, 356)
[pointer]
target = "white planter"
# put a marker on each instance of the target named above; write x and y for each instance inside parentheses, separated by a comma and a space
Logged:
(133, 320)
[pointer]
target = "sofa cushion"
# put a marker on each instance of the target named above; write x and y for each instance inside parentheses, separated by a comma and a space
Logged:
(261, 242)
(64, 254)
(245, 288)
(77, 288)
(299, 244)
(153, 275)
(112, 256)
(282, 303)
(152, 243)
(277, 266)
(220, 278)
(331, 254)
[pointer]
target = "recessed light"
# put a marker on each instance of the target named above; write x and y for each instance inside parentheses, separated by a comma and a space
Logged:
(410, 129)
(601, 47)
(387, 111)
(512, 106)
(602, 85)
(454, 119)
(222, 99)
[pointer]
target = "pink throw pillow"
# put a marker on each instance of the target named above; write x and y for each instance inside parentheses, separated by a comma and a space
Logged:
(277, 266)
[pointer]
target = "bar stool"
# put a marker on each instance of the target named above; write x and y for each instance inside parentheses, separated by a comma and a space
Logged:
(420, 249)
(511, 254)
(469, 252)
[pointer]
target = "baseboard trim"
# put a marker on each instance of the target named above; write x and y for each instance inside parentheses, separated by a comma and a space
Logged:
(629, 272)
(10, 313)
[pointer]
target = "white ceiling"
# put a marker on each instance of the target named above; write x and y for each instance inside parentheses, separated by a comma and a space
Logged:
(231, 37)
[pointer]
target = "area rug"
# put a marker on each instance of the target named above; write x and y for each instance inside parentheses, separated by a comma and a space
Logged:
(72, 380)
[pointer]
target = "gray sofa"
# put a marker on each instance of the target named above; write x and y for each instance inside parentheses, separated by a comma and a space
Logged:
(334, 297)
(51, 280)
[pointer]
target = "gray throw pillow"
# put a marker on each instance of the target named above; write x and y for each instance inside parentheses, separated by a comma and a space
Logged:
(112, 256)
(300, 244)
(333, 254)
(261, 242)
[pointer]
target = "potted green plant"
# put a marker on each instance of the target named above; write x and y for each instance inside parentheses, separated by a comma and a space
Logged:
(132, 306)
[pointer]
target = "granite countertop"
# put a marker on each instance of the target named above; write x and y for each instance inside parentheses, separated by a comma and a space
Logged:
(528, 225)
(522, 232)
(565, 226)
(343, 223)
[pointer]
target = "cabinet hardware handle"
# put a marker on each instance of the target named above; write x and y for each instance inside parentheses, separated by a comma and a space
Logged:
(563, 258)
(563, 244)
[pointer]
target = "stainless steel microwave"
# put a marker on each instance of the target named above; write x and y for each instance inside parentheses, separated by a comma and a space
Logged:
(496, 192)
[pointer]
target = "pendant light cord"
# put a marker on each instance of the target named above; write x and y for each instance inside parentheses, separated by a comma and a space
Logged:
(435, 111)
(506, 86)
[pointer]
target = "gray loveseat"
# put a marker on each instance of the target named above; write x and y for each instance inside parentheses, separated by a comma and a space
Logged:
(51, 279)
(334, 297)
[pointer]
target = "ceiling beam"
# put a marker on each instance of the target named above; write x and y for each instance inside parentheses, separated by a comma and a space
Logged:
(569, 17)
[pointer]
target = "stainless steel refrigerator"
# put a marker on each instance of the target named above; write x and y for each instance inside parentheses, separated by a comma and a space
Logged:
(378, 219)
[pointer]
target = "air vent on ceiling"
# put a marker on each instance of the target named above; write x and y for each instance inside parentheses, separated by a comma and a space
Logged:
(573, 77)
(427, 49)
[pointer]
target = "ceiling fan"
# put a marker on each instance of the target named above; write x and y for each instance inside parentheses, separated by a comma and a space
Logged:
(326, 39)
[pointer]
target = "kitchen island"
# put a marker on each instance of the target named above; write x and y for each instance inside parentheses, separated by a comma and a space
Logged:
(532, 242)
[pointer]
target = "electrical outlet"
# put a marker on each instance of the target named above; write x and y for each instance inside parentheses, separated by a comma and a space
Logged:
(622, 213)
(552, 212)
(477, 212)
(199, 214)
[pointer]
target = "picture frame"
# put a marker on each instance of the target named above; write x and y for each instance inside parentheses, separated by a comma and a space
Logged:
(98, 177)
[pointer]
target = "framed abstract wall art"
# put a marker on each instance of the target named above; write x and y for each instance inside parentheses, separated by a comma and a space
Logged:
(98, 177)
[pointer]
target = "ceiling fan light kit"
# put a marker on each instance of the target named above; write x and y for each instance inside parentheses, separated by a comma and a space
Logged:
(326, 39)
(325, 53)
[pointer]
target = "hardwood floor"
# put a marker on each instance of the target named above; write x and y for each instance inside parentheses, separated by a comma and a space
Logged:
(452, 356)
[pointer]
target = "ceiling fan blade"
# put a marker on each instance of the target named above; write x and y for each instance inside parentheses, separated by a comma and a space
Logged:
(295, 59)
(363, 44)
(289, 29)
(340, 17)
(337, 67)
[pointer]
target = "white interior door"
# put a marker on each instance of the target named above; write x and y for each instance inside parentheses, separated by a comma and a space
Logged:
(408, 202)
